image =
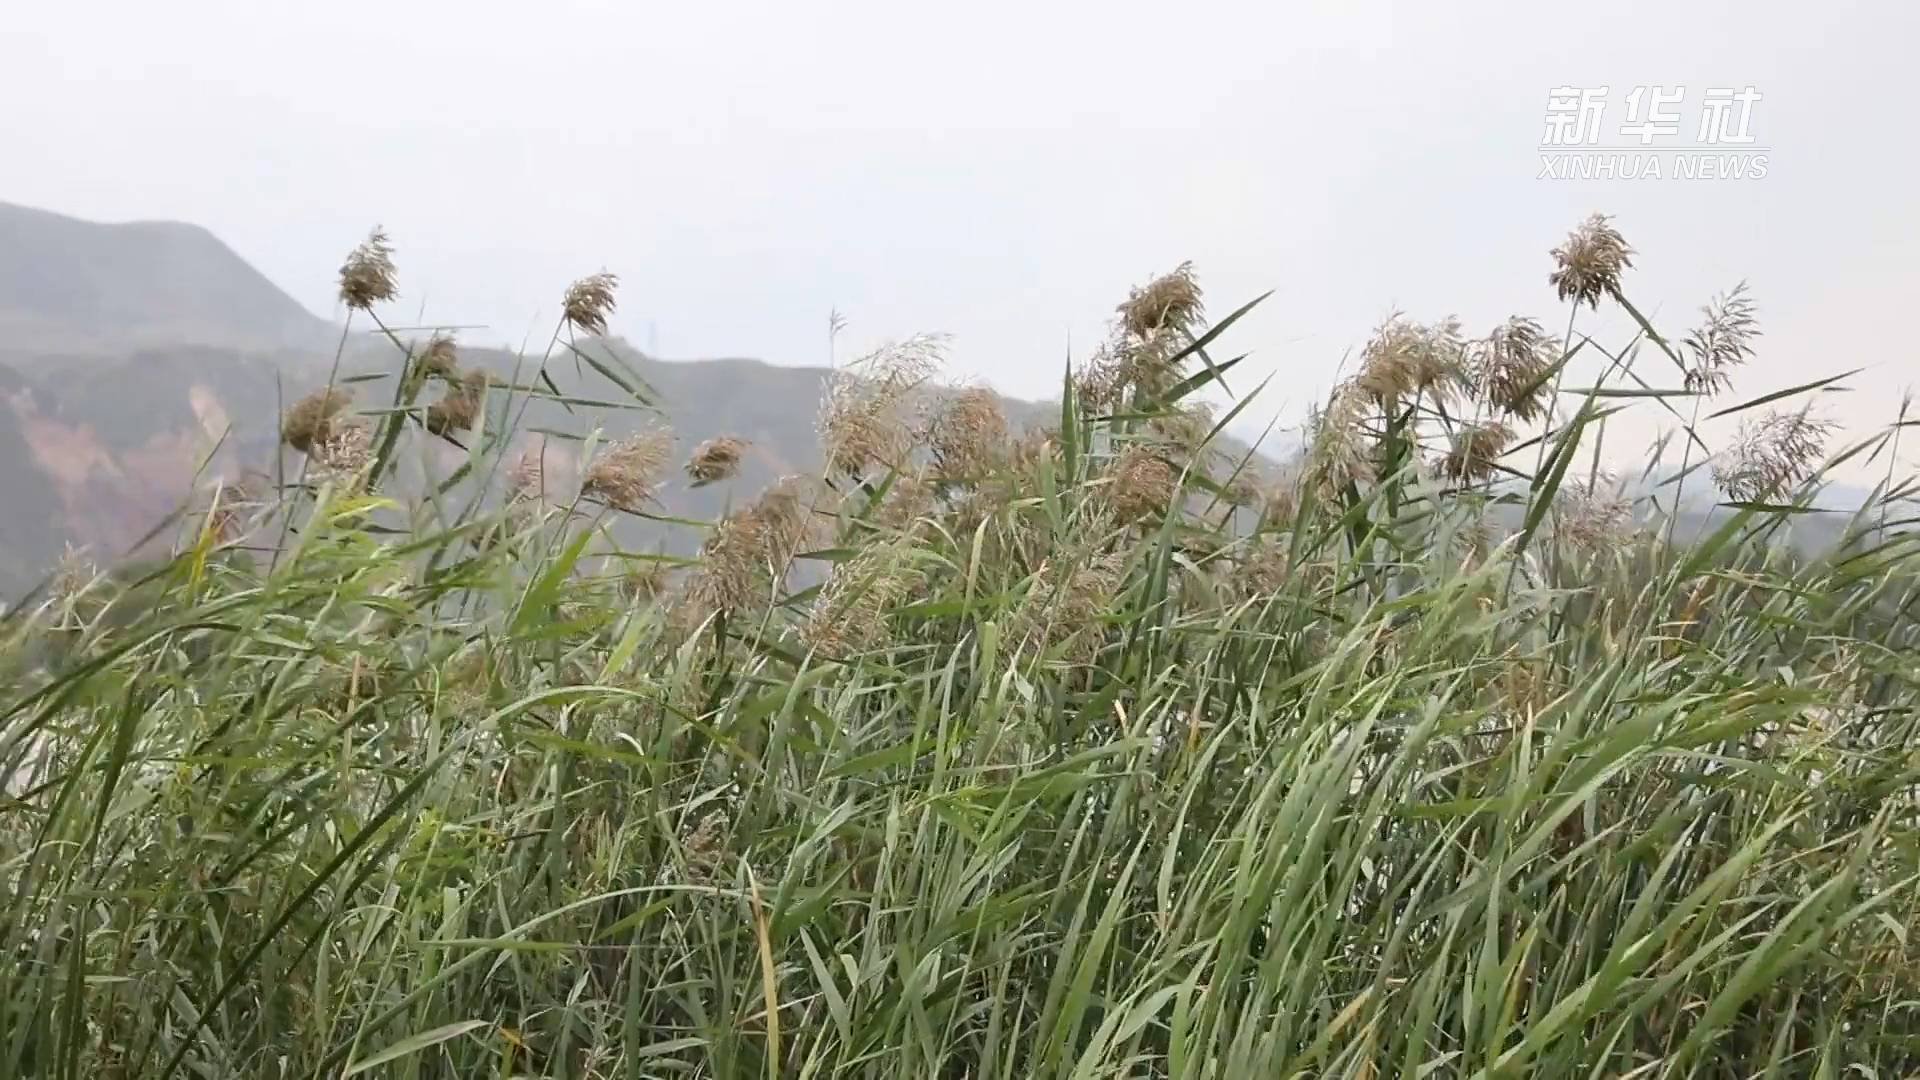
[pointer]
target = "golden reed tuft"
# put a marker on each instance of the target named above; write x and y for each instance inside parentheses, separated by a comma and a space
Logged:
(1404, 358)
(623, 476)
(1142, 485)
(346, 453)
(440, 358)
(1722, 343)
(864, 421)
(1172, 301)
(1511, 368)
(850, 614)
(460, 406)
(367, 277)
(1772, 455)
(968, 435)
(1475, 450)
(716, 460)
(1337, 448)
(309, 421)
(1588, 265)
(588, 302)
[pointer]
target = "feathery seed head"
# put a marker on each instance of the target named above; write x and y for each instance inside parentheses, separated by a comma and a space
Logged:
(1511, 368)
(1281, 501)
(1143, 485)
(1068, 600)
(309, 422)
(1405, 357)
(1475, 449)
(1594, 515)
(864, 422)
(75, 574)
(1772, 455)
(908, 499)
(1722, 343)
(1337, 449)
(646, 582)
(1183, 428)
(968, 435)
(624, 474)
(716, 460)
(346, 453)
(784, 515)
(705, 847)
(440, 357)
(367, 277)
(1032, 447)
(526, 478)
(850, 614)
(1588, 264)
(588, 302)
(459, 406)
(1172, 301)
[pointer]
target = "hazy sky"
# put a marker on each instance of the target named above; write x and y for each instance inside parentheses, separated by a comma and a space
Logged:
(998, 171)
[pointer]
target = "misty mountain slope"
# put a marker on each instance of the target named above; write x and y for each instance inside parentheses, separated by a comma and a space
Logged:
(138, 362)
(69, 286)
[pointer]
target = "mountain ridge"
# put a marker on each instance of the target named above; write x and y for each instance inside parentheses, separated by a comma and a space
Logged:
(76, 288)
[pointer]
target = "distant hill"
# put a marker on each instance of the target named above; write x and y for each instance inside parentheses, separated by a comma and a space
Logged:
(139, 360)
(81, 288)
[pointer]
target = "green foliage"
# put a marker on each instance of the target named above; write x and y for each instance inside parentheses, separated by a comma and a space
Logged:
(1060, 773)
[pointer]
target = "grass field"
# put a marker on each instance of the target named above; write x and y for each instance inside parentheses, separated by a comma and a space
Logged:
(1082, 752)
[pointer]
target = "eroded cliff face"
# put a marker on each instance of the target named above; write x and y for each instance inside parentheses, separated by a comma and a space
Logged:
(98, 457)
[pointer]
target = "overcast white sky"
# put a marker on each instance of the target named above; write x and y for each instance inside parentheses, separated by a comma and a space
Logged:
(999, 171)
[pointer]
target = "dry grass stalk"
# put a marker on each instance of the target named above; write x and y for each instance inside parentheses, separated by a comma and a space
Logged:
(1183, 428)
(588, 302)
(864, 422)
(460, 406)
(1244, 488)
(1404, 358)
(748, 554)
(705, 847)
(716, 460)
(646, 582)
(1338, 448)
(440, 358)
(623, 476)
(527, 476)
(850, 614)
(1281, 501)
(1772, 455)
(75, 574)
(1172, 301)
(1476, 449)
(1067, 603)
(310, 421)
(346, 454)
(1588, 264)
(367, 277)
(968, 435)
(1594, 515)
(1142, 485)
(1722, 343)
(1512, 366)
(908, 500)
